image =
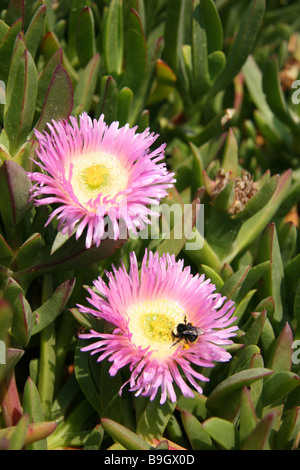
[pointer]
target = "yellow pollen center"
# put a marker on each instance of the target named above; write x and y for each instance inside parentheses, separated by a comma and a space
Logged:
(151, 324)
(158, 325)
(95, 176)
(97, 173)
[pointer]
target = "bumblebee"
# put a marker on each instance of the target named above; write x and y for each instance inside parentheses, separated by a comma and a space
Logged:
(186, 331)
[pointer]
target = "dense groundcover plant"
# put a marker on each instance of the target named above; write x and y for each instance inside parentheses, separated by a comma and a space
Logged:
(149, 225)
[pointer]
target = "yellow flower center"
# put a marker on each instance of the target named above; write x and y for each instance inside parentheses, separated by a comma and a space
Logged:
(158, 326)
(97, 173)
(95, 176)
(151, 324)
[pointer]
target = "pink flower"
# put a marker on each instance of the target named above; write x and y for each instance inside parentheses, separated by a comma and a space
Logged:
(145, 310)
(93, 172)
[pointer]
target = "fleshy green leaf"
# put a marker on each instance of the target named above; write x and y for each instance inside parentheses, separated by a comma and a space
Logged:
(287, 237)
(215, 401)
(264, 117)
(165, 82)
(279, 386)
(243, 358)
(15, 186)
(47, 368)
(15, 10)
(216, 64)
(108, 99)
(258, 438)
(248, 418)
(45, 77)
(136, 57)
(174, 32)
(35, 29)
(124, 436)
(111, 402)
(275, 96)
(18, 434)
(230, 156)
(6, 252)
(237, 285)
(198, 437)
(29, 250)
(95, 438)
(71, 432)
(201, 78)
(86, 85)
(49, 46)
(4, 28)
(21, 98)
(68, 392)
(221, 431)
(85, 36)
(273, 281)
(6, 48)
(50, 310)
(32, 406)
(242, 305)
(280, 357)
(256, 387)
(141, 95)
(87, 372)
(22, 320)
(290, 426)
(253, 333)
(267, 336)
(124, 101)
(113, 38)
(58, 102)
(291, 272)
(34, 432)
(154, 419)
(213, 26)
(76, 8)
(197, 169)
(196, 406)
(176, 433)
(243, 44)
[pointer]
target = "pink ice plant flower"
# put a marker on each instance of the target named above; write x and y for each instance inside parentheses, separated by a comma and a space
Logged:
(145, 309)
(93, 172)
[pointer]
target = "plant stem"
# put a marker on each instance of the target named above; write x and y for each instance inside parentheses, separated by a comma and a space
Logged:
(46, 378)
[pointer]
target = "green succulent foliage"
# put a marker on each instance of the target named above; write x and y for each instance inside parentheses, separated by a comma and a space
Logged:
(210, 77)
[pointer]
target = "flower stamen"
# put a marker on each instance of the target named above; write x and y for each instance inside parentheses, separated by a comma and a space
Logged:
(95, 176)
(98, 173)
(152, 323)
